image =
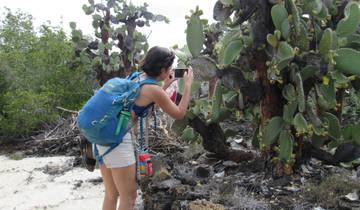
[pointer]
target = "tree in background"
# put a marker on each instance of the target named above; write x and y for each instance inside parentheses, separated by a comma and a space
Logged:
(35, 75)
(118, 47)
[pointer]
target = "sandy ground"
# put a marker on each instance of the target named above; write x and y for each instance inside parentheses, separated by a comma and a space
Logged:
(48, 183)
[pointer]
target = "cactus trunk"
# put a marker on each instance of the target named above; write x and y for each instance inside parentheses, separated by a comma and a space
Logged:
(270, 104)
(214, 141)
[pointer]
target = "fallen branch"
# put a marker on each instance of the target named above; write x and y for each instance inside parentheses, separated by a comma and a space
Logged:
(54, 138)
(67, 110)
(52, 131)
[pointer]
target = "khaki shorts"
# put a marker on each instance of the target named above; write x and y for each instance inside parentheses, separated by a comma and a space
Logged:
(121, 156)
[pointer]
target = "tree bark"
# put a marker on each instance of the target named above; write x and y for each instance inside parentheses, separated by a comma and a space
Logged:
(214, 141)
(213, 136)
(270, 104)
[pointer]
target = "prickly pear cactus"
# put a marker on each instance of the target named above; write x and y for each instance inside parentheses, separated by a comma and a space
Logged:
(294, 60)
(118, 47)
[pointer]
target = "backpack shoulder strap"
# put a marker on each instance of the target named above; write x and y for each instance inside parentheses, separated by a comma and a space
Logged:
(134, 75)
(148, 81)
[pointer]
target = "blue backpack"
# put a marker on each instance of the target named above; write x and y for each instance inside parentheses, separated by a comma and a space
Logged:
(104, 118)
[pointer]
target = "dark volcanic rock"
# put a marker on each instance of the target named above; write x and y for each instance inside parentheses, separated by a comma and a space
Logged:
(202, 172)
(165, 185)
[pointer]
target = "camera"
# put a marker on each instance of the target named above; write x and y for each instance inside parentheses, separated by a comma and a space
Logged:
(179, 72)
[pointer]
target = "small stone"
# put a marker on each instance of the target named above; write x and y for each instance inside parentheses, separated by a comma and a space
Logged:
(187, 179)
(318, 208)
(161, 175)
(193, 152)
(220, 174)
(230, 163)
(204, 205)
(305, 169)
(193, 162)
(292, 188)
(78, 184)
(160, 171)
(302, 180)
(354, 196)
(96, 180)
(167, 184)
(266, 191)
(180, 190)
(239, 140)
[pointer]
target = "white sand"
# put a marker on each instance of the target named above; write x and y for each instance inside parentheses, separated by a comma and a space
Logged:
(27, 185)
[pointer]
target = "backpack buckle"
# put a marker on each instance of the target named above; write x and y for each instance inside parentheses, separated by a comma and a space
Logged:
(103, 119)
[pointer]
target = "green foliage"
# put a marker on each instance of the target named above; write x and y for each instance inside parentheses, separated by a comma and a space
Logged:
(231, 52)
(229, 47)
(326, 42)
(194, 87)
(195, 35)
(351, 107)
(272, 130)
(285, 54)
(333, 126)
(300, 124)
(311, 59)
(204, 68)
(349, 24)
(355, 133)
(216, 102)
(289, 92)
(272, 40)
(300, 92)
(36, 75)
(302, 41)
(24, 111)
(295, 15)
(179, 125)
(189, 135)
(289, 111)
(279, 14)
(118, 46)
(347, 61)
(286, 142)
(331, 190)
(3, 87)
(326, 95)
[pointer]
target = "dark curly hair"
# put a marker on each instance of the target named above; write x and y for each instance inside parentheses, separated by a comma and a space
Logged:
(156, 59)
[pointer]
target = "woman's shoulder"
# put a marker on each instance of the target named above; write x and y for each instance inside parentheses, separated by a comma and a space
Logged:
(149, 94)
(152, 91)
(151, 88)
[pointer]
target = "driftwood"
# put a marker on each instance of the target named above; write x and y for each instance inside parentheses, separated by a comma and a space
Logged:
(67, 110)
(53, 130)
(55, 138)
(59, 139)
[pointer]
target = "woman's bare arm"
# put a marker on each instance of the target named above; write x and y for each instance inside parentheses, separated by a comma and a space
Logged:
(159, 96)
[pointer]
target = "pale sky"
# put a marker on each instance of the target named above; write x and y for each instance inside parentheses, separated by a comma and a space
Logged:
(61, 12)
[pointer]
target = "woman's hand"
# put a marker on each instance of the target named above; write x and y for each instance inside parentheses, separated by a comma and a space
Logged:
(169, 80)
(188, 77)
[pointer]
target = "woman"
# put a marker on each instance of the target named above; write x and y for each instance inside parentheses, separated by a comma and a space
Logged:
(119, 171)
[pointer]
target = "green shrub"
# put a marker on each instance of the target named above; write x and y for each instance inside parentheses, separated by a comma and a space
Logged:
(37, 75)
(24, 111)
